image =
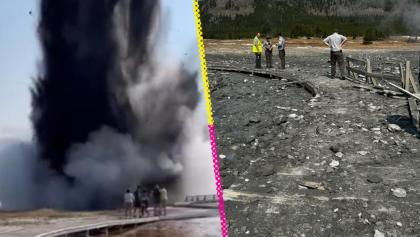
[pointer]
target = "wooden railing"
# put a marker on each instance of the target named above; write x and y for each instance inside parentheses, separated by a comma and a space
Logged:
(361, 71)
(201, 198)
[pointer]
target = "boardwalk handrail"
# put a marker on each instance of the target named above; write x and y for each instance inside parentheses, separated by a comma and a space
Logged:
(201, 198)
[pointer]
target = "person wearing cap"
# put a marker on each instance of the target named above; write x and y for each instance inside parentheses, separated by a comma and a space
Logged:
(257, 50)
(336, 42)
(281, 45)
(268, 51)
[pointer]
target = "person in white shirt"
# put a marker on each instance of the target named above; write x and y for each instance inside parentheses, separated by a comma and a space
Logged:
(336, 42)
(128, 203)
(163, 200)
(281, 45)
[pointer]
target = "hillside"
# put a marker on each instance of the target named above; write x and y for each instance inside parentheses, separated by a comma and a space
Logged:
(242, 18)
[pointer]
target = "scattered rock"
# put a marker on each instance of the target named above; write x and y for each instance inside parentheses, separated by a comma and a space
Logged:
(292, 116)
(330, 169)
(312, 185)
(268, 170)
(399, 224)
(254, 120)
(335, 148)
(379, 234)
(339, 154)
(362, 153)
(375, 179)
(372, 108)
(334, 164)
(222, 156)
(399, 192)
(384, 142)
(394, 128)
(280, 120)
(234, 148)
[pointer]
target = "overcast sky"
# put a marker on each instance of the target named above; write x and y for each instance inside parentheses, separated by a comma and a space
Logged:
(19, 56)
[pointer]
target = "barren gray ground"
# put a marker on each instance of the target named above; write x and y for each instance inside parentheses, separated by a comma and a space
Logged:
(293, 165)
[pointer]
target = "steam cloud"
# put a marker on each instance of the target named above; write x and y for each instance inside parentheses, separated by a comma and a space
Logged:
(106, 114)
(406, 10)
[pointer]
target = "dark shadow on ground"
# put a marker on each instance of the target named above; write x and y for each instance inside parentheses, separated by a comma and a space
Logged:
(405, 123)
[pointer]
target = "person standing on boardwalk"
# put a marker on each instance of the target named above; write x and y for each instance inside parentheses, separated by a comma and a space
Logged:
(156, 201)
(144, 203)
(336, 42)
(281, 45)
(268, 51)
(257, 50)
(128, 203)
(163, 200)
(137, 207)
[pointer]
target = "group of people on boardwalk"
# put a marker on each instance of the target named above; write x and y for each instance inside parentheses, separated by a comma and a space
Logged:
(137, 203)
(268, 47)
(335, 42)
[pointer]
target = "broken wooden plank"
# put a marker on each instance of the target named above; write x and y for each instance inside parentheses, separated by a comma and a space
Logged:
(355, 60)
(403, 90)
(375, 75)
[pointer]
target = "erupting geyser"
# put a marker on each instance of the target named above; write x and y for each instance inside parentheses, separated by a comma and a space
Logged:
(107, 114)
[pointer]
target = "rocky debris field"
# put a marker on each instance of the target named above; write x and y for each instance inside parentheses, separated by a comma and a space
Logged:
(346, 163)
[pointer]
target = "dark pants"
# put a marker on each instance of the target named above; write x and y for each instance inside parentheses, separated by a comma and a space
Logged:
(282, 56)
(337, 57)
(258, 60)
(269, 58)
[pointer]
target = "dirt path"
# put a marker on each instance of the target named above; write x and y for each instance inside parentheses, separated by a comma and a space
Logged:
(293, 165)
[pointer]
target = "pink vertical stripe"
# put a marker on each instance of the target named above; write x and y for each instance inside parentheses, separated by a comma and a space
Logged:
(216, 166)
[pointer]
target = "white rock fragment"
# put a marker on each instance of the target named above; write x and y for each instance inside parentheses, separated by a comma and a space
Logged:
(362, 153)
(384, 142)
(222, 156)
(379, 234)
(399, 224)
(399, 192)
(372, 108)
(339, 154)
(292, 116)
(334, 164)
(394, 128)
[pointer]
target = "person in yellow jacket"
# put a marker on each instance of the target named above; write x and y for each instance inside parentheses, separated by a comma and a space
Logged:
(257, 49)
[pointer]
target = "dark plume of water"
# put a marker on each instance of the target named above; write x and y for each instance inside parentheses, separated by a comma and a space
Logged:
(93, 52)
